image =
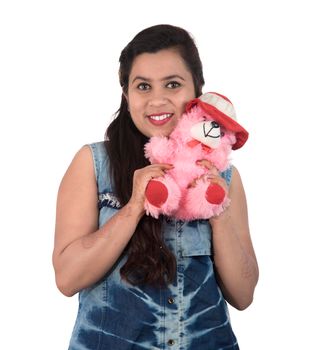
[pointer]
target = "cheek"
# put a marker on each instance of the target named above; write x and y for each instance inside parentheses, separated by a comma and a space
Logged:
(182, 104)
(135, 103)
(182, 108)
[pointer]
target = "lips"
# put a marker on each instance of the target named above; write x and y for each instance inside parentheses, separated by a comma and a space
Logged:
(160, 118)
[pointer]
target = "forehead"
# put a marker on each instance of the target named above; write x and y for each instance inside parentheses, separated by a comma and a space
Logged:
(157, 65)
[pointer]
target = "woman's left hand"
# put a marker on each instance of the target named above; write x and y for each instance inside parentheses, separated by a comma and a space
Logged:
(214, 177)
(213, 174)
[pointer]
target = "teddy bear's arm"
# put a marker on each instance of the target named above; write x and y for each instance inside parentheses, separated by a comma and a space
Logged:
(159, 149)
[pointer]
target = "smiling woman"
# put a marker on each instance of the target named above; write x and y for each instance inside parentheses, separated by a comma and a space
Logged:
(147, 283)
(160, 86)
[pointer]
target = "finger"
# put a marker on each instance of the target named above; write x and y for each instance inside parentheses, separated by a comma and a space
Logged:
(192, 184)
(206, 163)
(217, 180)
(156, 173)
(198, 179)
(160, 169)
(164, 166)
(212, 169)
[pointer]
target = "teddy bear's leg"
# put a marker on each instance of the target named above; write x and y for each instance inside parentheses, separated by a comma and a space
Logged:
(204, 201)
(162, 196)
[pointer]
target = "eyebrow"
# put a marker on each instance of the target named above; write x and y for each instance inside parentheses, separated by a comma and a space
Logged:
(174, 76)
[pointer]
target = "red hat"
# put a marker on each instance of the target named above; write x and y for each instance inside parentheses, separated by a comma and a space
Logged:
(222, 110)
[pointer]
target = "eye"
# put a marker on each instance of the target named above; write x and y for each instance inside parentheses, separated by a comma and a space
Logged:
(173, 84)
(143, 86)
(204, 118)
(222, 133)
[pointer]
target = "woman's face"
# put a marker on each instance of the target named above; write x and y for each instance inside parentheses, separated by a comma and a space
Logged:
(159, 87)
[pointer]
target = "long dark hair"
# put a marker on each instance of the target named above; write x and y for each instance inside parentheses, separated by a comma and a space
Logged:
(149, 260)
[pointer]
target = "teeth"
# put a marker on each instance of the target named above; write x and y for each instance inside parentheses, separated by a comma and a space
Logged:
(160, 117)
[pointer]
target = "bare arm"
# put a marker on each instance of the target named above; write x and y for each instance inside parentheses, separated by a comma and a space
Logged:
(234, 255)
(83, 253)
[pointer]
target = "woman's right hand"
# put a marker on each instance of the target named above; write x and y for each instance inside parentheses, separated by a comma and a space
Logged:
(84, 251)
(140, 181)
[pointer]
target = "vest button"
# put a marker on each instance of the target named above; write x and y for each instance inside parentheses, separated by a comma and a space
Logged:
(171, 342)
(170, 300)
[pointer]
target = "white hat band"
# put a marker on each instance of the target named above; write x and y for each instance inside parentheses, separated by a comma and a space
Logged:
(220, 103)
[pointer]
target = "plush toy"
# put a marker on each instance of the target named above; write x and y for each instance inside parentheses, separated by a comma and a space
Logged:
(207, 130)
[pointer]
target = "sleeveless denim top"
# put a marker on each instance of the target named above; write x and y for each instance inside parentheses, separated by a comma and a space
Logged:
(190, 314)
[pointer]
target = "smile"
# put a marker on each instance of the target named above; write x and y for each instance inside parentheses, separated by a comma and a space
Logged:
(161, 116)
(160, 119)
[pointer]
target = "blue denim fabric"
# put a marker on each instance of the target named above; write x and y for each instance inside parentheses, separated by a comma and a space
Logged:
(190, 314)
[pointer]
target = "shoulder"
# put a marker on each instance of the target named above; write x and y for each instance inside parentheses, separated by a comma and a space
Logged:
(98, 149)
(84, 154)
(236, 177)
(236, 189)
(80, 170)
(91, 157)
(83, 159)
(231, 175)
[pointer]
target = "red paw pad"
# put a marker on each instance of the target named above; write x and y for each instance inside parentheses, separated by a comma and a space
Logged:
(215, 194)
(156, 193)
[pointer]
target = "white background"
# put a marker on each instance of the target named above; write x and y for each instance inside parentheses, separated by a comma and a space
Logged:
(58, 91)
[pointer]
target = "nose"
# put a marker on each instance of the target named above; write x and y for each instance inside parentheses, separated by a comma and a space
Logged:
(215, 124)
(157, 98)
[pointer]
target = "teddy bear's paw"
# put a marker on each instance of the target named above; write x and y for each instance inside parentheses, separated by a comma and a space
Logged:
(156, 193)
(215, 194)
(162, 196)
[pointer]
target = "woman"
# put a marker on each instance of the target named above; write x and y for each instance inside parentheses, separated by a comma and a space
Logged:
(144, 283)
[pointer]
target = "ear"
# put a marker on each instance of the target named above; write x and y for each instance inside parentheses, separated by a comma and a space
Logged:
(126, 96)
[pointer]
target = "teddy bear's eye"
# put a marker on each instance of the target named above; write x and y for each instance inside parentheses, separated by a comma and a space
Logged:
(222, 133)
(204, 118)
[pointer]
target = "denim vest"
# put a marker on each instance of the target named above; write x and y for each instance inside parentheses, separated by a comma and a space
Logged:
(189, 314)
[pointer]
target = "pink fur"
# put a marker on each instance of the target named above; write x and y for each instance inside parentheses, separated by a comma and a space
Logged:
(201, 209)
(185, 202)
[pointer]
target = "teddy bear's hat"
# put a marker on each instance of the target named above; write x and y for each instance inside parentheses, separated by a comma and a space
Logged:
(223, 112)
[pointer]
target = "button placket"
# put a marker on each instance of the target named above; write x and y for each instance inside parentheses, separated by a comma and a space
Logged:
(179, 225)
(179, 229)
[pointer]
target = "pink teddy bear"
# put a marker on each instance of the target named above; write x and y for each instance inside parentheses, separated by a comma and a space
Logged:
(207, 130)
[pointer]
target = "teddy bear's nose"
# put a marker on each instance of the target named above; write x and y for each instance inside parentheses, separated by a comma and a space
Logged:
(215, 124)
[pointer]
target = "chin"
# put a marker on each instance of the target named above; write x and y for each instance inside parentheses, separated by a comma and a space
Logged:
(163, 133)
